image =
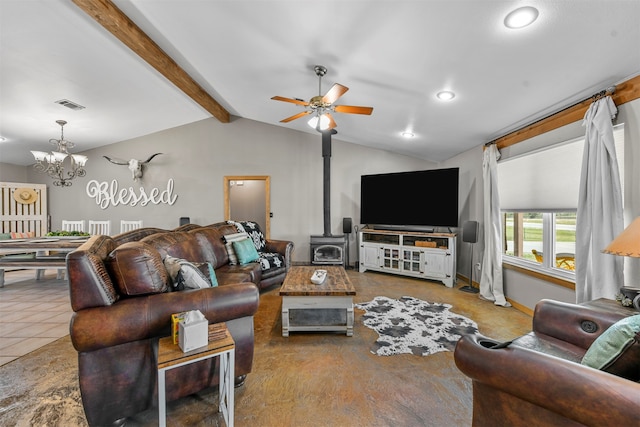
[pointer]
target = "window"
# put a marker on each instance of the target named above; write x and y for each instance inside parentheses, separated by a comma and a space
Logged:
(531, 235)
(539, 198)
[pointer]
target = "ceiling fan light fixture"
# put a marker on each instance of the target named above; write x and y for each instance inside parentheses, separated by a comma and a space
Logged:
(324, 122)
(521, 17)
(445, 95)
(407, 134)
(321, 106)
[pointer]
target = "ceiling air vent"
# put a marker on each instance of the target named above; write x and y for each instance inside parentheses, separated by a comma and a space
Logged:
(70, 104)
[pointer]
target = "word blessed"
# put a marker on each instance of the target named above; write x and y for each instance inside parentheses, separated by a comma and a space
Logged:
(106, 194)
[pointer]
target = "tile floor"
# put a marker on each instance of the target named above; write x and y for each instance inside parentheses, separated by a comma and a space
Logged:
(33, 312)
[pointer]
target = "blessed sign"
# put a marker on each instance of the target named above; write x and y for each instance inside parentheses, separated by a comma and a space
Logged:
(107, 194)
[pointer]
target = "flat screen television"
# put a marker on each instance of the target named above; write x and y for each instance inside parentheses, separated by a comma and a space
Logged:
(417, 200)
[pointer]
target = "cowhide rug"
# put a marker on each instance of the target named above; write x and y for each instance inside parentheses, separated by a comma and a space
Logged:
(410, 325)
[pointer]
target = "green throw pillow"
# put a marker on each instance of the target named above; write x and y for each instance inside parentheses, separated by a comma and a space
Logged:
(245, 251)
(611, 347)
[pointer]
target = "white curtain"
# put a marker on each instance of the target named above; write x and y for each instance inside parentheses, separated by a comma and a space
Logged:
(491, 286)
(600, 217)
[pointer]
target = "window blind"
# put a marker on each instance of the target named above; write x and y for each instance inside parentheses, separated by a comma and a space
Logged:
(548, 179)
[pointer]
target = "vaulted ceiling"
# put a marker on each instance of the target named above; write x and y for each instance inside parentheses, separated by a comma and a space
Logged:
(394, 55)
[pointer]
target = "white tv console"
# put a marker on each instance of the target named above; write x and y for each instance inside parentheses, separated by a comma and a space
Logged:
(427, 255)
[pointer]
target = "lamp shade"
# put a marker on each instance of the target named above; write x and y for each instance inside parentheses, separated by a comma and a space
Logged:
(324, 122)
(79, 159)
(58, 156)
(39, 155)
(627, 243)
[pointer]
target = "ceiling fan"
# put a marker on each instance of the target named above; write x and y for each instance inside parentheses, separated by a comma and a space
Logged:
(322, 106)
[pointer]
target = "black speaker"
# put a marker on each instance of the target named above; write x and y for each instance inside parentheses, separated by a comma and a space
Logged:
(185, 220)
(470, 235)
(470, 232)
(346, 225)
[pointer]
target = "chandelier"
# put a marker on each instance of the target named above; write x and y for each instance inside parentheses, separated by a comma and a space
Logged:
(53, 163)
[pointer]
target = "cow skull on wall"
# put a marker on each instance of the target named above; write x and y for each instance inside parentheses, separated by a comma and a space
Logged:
(135, 166)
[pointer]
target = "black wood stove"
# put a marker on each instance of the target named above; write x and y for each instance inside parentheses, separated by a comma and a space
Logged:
(327, 248)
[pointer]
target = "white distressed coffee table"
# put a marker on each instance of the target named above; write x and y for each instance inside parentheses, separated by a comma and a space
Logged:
(298, 293)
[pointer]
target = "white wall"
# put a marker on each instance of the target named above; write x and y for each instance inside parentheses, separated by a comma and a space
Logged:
(470, 196)
(13, 173)
(197, 156)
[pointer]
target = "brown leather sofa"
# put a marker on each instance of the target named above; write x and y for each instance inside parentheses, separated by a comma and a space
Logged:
(122, 306)
(537, 380)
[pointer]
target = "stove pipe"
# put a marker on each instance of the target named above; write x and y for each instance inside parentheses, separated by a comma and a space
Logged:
(326, 181)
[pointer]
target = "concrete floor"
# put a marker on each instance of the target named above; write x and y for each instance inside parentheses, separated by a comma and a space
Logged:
(329, 379)
(307, 379)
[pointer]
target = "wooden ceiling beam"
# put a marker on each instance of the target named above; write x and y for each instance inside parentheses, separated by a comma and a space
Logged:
(117, 23)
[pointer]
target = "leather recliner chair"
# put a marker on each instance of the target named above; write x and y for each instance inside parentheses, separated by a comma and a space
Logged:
(538, 380)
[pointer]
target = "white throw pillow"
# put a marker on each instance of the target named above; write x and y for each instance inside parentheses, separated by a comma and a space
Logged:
(187, 275)
(228, 244)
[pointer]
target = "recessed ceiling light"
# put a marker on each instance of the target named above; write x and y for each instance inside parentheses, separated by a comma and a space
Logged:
(2, 139)
(407, 134)
(446, 95)
(521, 17)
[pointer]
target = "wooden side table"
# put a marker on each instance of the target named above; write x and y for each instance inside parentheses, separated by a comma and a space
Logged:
(221, 344)
(610, 306)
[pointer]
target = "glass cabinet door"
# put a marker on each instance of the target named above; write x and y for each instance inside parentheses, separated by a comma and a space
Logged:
(411, 260)
(391, 258)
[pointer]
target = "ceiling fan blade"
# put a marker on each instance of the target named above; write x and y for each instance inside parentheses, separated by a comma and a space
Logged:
(293, 101)
(352, 109)
(332, 123)
(297, 116)
(336, 91)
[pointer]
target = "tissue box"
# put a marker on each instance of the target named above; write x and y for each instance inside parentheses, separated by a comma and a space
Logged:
(176, 318)
(193, 335)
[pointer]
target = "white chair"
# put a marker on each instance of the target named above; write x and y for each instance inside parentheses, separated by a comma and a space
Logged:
(67, 225)
(126, 225)
(100, 227)
(73, 225)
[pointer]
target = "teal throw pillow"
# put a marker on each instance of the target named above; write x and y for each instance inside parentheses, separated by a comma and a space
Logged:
(228, 245)
(212, 275)
(617, 349)
(245, 251)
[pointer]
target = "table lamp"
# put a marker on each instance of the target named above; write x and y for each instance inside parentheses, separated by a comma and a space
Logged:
(627, 244)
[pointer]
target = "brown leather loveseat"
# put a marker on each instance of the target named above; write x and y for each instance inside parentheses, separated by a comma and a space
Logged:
(538, 379)
(122, 305)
